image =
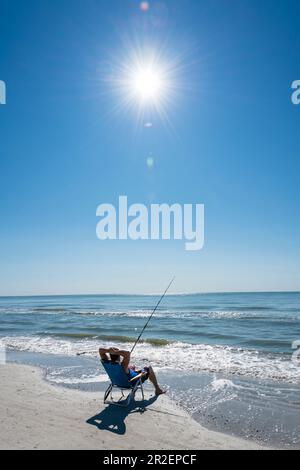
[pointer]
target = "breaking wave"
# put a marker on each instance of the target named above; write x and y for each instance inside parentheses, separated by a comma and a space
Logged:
(164, 354)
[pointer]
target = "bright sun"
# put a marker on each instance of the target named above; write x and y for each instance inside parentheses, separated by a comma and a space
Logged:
(147, 83)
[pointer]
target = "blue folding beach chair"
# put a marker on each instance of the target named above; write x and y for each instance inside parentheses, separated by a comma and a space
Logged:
(120, 381)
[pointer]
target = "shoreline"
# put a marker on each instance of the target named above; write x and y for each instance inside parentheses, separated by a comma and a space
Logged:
(35, 414)
(151, 294)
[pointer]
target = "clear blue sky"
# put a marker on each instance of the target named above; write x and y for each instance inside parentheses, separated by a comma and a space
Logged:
(234, 145)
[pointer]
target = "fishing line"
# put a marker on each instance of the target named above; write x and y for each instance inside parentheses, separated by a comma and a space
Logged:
(147, 322)
(153, 312)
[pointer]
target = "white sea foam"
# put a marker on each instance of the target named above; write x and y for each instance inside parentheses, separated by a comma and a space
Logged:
(182, 356)
(137, 313)
(221, 384)
(83, 379)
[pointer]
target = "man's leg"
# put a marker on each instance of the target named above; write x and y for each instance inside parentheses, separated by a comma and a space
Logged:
(153, 379)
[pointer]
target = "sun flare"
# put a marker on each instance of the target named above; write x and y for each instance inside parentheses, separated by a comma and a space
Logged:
(148, 83)
(145, 81)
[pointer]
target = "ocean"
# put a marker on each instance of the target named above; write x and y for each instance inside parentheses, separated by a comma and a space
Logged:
(226, 358)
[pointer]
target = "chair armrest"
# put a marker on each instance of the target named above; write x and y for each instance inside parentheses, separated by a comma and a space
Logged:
(138, 376)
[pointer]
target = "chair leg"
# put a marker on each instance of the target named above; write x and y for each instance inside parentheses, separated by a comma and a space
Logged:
(107, 393)
(129, 398)
(108, 397)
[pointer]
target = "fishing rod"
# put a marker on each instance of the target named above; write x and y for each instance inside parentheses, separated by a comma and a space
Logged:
(153, 312)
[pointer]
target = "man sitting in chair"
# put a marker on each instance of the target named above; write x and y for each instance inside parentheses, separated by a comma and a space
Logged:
(116, 355)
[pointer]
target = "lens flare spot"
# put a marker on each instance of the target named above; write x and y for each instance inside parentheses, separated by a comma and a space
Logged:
(150, 162)
(144, 6)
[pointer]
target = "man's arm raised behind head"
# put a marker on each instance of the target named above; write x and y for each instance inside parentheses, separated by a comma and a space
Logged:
(125, 354)
(126, 359)
(103, 353)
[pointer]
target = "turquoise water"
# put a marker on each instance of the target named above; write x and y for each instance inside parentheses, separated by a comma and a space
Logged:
(232, 353)
(245, 333)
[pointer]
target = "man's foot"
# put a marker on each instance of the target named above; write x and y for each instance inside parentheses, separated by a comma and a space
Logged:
(159, 391)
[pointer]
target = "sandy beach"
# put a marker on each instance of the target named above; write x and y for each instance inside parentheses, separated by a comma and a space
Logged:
(37, 415)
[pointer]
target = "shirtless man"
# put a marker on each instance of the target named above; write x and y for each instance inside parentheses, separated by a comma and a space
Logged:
(116, 355)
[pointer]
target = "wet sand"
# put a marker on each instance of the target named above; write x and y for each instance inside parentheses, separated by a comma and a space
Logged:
(37, 415)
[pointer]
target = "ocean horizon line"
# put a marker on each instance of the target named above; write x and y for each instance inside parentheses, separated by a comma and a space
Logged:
(177, 294)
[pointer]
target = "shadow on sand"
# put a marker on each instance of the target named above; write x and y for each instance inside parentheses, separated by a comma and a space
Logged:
(112, 418)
